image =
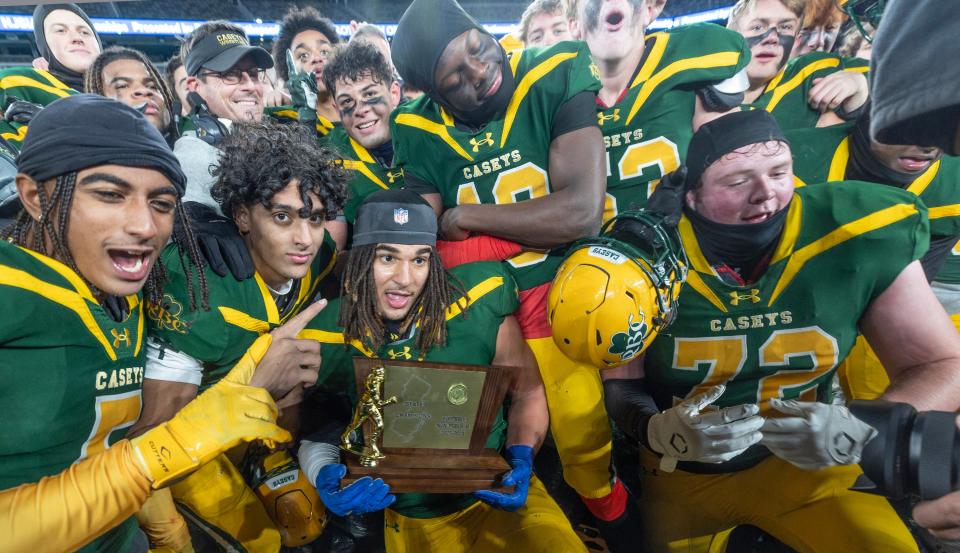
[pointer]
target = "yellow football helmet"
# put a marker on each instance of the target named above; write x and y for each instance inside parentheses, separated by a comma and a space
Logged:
(287, 495)
(615, 292)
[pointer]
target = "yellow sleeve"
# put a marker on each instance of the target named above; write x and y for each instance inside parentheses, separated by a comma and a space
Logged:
(72, 508)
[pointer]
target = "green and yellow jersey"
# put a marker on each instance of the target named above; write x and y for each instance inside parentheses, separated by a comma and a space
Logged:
(647, 131)
(368, 176)
(784, 335)
(822, 155)
(506, 160)
(240, 311)
(289, 114)
(950, 271)
(471, 339)
(786, 95)
(70, 376)
(31, 85)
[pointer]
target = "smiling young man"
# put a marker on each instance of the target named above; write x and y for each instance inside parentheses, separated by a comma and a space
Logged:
(365, 93)
(400, 303)
(310, 39)
(509, 147)
(278, 185)
(84, 255)
(128, 76)
(229, 75)
(815, 89)
(781, 281)
(68, 45)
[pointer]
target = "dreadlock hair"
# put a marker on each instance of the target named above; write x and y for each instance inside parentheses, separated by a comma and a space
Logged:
(259, 159)
(361, 320)
(295, 21)
(355, 60)
(93, 80)
(48, 235)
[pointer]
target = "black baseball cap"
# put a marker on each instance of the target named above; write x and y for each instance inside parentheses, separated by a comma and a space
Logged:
(221, 51)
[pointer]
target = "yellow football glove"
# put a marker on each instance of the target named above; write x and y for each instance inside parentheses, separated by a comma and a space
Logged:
(220, 418)
(163, 524)
(242, 372)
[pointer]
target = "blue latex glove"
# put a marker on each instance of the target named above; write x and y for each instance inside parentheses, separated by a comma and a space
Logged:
(366, 495)
(520, 458)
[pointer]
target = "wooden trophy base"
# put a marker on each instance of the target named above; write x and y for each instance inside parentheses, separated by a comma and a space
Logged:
(407, 473)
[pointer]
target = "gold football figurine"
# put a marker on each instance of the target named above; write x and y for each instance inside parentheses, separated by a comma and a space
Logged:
(368, 408)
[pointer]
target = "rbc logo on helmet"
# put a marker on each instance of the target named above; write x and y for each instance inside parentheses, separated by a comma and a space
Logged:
(401, 216)
(628, 344)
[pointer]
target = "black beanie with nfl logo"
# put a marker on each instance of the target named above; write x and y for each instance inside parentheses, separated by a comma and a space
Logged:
(395, 217)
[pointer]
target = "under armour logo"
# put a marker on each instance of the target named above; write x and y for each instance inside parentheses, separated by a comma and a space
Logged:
(753, 296)
(394, 176)
(615, 116)
(120, 337)
(402, 354)
(483, 141)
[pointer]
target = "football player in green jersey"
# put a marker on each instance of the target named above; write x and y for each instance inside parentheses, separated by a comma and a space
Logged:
(399, 303)
(308, 38)
(68, 45)
(129, 76)
(96, 216)
(847, 152)
(656, 89)
(780, 282)
(816, 89)
(508, 146)
(277, 183)
(361, 82)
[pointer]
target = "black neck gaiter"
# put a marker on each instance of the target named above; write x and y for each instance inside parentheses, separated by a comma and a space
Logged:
(383, 154)
(740, 247)
(865, 166)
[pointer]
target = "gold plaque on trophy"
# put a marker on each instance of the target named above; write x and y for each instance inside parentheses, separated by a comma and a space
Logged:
(423, 427)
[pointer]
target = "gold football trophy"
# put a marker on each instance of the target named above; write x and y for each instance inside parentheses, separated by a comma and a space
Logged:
(430, 433)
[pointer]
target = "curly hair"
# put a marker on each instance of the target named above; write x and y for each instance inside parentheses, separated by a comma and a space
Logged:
(93, 79)
(354, 61)
(259, 159)
(295, 21)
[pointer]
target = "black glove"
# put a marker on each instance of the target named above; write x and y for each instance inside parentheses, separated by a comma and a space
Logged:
(21, 111)
(667, 199)
(220, 243)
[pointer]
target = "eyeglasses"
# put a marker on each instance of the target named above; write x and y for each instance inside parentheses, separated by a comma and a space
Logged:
(235, 76)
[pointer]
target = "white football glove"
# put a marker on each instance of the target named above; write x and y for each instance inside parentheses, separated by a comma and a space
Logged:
(815, 435)
(683, 433)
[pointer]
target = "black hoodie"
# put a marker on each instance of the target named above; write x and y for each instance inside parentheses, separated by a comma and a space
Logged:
(71, 78)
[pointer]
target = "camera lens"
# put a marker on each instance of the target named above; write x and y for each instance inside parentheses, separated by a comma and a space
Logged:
(913, 454)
